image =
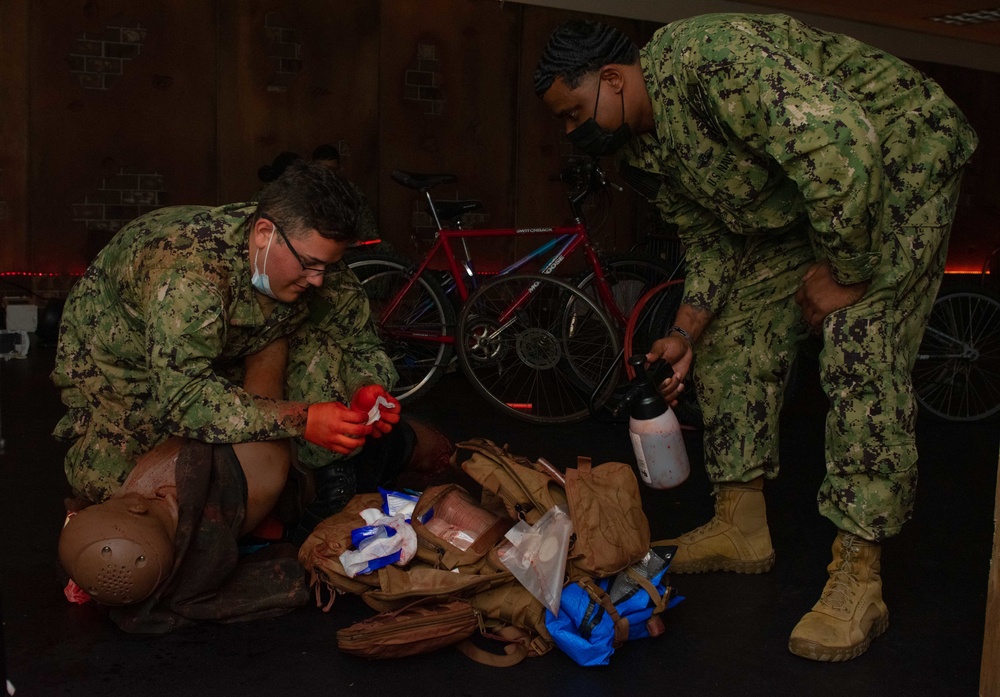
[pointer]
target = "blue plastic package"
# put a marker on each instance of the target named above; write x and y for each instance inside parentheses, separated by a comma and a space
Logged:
(585, 631)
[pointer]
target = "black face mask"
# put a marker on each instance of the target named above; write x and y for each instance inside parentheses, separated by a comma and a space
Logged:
(593, 139)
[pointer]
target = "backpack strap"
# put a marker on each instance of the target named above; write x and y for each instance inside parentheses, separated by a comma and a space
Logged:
(519, 644)
(659, 601)
(599, 596)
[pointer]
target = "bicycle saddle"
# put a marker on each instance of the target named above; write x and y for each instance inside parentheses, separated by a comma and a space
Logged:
(416, 180)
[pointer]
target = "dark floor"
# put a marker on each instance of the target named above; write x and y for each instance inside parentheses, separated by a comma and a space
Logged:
(728, 638)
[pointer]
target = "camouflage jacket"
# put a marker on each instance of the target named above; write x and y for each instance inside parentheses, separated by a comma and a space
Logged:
(764, 124)
(161, 322)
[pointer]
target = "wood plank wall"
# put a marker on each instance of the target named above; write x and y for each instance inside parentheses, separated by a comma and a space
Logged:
(112, 107)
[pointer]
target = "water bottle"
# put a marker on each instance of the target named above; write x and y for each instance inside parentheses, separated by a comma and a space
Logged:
(655, 433)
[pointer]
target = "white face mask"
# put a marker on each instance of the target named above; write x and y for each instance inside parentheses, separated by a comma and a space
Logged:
(259, 280)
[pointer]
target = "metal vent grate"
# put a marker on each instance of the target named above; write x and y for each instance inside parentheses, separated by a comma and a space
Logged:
(966, 18)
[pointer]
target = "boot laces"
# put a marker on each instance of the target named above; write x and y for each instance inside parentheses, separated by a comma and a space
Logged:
(839, 590)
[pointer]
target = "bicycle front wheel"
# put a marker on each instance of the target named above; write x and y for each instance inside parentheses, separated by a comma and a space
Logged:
(535, 346)
(957, 372)
(423, 312)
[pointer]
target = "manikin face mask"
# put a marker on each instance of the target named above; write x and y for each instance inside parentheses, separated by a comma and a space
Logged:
(259, 280)
(593, 139)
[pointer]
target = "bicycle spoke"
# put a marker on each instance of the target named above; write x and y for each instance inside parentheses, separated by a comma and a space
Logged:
(422, 312)
(539, 366)
(957, 373)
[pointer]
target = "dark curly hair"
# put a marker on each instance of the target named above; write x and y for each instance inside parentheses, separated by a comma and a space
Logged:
(268, 173)
(580, 47)
(326, 152)
(310, 196)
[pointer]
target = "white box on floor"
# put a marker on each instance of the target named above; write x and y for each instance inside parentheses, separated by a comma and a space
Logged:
(22, 315)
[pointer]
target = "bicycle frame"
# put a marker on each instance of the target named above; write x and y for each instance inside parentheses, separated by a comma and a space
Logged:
(568, 238)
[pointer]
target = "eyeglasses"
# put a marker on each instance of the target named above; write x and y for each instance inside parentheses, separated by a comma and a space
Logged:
(306, 270)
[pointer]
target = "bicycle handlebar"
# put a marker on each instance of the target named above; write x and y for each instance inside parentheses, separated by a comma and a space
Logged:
(584, 178)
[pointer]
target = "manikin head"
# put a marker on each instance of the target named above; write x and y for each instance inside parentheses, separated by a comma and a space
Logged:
(121, 550)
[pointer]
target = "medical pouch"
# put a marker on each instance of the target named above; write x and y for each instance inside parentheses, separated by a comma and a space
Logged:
(510, 480)
(422, 626)
(453, 530)
(610, 528)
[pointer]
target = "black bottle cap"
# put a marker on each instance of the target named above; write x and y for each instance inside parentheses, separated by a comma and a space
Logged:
(646, 402)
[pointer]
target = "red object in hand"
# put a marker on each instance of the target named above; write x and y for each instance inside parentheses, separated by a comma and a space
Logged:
(335, 427)
(365, 398)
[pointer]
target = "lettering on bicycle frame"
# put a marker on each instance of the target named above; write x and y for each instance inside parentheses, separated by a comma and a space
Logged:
(553, 263)
(531, 230)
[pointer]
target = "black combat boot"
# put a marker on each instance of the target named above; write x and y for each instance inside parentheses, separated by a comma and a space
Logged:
(335, 484)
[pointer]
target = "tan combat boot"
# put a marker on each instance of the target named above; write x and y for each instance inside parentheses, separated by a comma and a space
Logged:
(850, 613)
(736, 539)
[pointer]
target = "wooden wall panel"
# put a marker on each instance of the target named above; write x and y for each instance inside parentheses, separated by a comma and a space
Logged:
(471, 48)
(199, 105)
(107, 145)
(543, 150)
(977, 224)
(14, 253)
(327, 92)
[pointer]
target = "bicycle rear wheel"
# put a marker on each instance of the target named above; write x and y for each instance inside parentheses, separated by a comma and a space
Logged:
(957, 372)
(629, 276)
(540, 364)
(424, 310)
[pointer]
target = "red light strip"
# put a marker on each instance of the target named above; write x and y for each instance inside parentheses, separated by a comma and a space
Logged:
(37, 274)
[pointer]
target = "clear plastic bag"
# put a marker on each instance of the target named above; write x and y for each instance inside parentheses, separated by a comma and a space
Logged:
(537, 555)
(459, 520)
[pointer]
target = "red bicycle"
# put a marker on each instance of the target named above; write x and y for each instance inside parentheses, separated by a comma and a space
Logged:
(534, 346)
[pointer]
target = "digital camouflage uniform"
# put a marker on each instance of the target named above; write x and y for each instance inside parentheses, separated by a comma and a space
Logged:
(777, 145)
(154, 335)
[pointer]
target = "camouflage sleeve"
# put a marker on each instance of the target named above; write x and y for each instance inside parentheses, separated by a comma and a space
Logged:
(185, 330)
(712, 251)
(821, 138)
(340, 310)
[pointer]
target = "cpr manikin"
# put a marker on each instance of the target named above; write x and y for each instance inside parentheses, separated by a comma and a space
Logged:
(119, 551)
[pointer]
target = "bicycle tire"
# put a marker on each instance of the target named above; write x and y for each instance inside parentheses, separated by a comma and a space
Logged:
(629, 276)
(654, 312)
(956, 375)
(532, 367)
(425, 308)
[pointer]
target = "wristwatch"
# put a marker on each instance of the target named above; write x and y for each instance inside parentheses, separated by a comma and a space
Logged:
(683, 332)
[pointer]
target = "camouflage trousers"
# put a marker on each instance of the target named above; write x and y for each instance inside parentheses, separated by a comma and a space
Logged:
(868, 353)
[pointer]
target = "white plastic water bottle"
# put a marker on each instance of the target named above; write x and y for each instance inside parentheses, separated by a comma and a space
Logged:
(655, 433)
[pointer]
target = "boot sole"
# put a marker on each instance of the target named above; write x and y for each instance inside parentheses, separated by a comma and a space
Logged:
(818, 652)
(754, 566)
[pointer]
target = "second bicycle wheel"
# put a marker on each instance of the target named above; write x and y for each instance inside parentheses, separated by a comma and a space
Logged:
(423, 311)
(957, 372)
(535, 346)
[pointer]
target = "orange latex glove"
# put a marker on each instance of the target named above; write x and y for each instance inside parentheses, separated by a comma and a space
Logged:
(335, 427)
(364, 399)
